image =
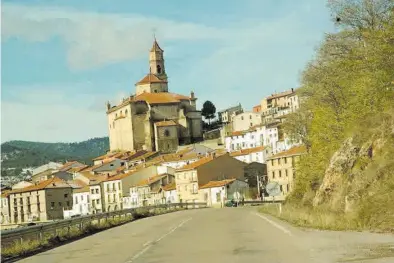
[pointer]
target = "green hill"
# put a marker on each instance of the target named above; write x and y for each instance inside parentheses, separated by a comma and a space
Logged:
(24, 154)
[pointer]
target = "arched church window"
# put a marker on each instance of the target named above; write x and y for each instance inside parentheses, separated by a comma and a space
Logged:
(166, 133)
(158, 69)
(116, 115)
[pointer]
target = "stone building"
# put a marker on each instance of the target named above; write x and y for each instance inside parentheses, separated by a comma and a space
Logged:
(281, 168)
(154, 119)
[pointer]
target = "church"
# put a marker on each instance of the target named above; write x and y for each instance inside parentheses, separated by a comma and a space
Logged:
(154, 119)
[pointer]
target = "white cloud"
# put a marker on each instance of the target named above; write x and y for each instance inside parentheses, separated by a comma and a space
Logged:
(96, 39)
(253, 58)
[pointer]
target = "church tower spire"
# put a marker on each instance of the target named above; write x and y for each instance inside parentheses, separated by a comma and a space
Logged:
(156, 61)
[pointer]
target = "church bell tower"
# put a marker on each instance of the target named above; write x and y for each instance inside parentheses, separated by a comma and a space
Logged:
(156, 61)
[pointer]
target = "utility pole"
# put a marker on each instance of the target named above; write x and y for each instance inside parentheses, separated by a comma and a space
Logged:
(258, 184)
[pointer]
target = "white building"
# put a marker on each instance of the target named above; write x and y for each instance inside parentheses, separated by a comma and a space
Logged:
(95, 198)
(170, 193)
(5, 209)
(246, 120)
(216, 193)
(81, 203)
(256, 154)
(45, 167)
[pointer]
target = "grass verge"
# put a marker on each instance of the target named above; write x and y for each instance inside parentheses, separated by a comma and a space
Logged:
(314, 218)
(19, 250)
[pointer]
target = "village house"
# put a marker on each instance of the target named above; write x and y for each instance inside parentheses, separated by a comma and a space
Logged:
(108, 166)
(96, 205)
(44, 172)
(112, 196)
(227, 115)
(81, 199)
(150, 191)
(281, 168)
(280, 100)
(213, 167)
(40, 202)
(170, 193)
(256, 154)
(246, 120)
(216, 193)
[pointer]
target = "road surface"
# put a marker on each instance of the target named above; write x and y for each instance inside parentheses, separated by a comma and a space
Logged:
(220, 235)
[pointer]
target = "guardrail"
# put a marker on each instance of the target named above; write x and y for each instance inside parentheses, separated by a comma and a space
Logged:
(39, 232)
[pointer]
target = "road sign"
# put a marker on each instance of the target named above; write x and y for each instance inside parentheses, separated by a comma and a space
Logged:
(273, 189)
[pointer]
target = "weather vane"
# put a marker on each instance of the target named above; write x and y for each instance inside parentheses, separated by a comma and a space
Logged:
(154, 32)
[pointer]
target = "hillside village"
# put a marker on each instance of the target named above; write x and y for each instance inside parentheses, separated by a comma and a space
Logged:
(158, 155)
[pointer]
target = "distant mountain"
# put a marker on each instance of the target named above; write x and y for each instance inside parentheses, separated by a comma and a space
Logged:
(23, 154)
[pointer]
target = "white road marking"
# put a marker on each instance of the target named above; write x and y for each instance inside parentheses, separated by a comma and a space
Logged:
(149, 244)
(274, 224)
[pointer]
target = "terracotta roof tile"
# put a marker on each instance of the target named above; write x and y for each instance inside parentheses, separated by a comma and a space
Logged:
(84, 189)
(296, 150)
(119, 176)
(169, 187)
(247, 151)
(212, 184)
(198, 163)
(150, 78)
(165, 123)
(160, 97)
(281, 94)
(42, 185)
(150, 180)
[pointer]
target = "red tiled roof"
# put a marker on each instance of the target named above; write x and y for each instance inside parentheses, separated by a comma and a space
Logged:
(169, 187)
(212, 184)
(42, 185)
(247, 151)
(119, 176)
(150, 180)
(165, 123)
(198, 163)
(296, 150)
(281, 94)
(160, 97)
(150, 78)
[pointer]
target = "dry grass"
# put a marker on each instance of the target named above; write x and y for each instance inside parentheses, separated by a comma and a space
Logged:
(313, 218)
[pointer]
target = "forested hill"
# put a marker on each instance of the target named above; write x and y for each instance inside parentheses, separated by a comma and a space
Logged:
(23, 154)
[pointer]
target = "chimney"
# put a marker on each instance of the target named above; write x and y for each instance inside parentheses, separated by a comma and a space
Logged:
(292, 90)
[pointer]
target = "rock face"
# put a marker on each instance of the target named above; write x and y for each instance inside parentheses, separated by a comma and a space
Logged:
(341, 164)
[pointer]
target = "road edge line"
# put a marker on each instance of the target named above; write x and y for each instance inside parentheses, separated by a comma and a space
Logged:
(274, 224)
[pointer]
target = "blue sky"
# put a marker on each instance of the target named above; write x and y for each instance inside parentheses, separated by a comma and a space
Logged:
(62, 60)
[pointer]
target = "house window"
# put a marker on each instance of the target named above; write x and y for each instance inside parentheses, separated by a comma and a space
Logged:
(273, 174)
(287, 188)
(285, 159)
(242, 117)
(251, 124)
(250, 116)
(280, 174)
(286, 173)
(60, 203)
(278, 161)
(119, 185)
(97, 191)
(166, 133)
(65, 195)
(125, 112)
(281, 188)
(272, 162)
(68, 203)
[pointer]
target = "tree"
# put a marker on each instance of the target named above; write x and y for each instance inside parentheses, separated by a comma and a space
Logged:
(208, 111)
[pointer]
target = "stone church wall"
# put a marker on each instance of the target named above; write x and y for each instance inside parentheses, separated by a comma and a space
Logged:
(167, 139)
(139, 130)
(161, 112)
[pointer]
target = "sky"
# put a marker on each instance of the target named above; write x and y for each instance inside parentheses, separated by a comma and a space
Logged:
(62, 60)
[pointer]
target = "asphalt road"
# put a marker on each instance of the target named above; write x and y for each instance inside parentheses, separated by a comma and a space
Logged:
(220, 235)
